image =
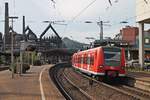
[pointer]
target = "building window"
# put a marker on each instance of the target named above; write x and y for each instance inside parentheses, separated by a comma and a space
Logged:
(147, 41)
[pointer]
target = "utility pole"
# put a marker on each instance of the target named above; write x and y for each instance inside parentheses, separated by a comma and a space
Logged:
(12, 45)
(100, 23)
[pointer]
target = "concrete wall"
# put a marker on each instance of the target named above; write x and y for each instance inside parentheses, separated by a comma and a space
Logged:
(142, 10)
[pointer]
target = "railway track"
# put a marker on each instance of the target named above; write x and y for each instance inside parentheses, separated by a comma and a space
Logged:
(125, 91)
(75, 86)
(53, 74)
(143, 95)
(66, 86)
(129, 91)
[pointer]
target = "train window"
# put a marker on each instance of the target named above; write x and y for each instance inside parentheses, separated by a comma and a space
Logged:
(92, 60)
(79, 59)
(112, 58)
(88, 60)
(82, 60)
(85, 60)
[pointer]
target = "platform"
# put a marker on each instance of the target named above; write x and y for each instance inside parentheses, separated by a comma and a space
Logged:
(2, 67)
(139, 79)
(34, 85)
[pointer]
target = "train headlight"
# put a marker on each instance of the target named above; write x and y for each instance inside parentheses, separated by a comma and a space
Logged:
(101, 66)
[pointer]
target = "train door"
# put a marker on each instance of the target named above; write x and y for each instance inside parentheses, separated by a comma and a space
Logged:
(99, 60)
(92, 59)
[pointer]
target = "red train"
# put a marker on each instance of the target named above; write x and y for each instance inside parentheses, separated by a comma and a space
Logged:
(101, 61)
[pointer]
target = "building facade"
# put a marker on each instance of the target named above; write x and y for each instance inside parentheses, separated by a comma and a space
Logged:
(142, 17)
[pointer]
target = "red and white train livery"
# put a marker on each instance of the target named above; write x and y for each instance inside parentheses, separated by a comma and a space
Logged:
(101, 61)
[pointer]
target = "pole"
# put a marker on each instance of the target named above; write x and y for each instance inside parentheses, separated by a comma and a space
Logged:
(101, 30)
(12, 52)
(32, 57)
(21, 51)
(141, 44)
(21, 62)
(24, 37)
(100, 24)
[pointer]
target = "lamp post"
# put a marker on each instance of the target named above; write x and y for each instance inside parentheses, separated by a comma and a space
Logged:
(12, 51)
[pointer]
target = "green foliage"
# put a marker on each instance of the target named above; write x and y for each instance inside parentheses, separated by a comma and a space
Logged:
(3, 60)
(29, 56)
(25, 67)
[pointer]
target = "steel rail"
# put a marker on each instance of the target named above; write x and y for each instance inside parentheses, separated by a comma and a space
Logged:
(115, 88)
(53, 75)
(143, 94)
(81, 90)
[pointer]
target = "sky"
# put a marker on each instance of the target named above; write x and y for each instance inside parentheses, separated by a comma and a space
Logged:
(71, 14)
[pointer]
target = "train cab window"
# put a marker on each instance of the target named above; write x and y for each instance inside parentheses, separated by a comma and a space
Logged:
(112, 57)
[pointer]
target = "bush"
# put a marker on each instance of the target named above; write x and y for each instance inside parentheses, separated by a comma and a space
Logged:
(25, 67)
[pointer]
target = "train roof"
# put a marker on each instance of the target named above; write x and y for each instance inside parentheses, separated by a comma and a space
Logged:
(94, 49)
(100, 47)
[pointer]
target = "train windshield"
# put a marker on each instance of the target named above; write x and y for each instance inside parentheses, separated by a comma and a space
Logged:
(112, 56)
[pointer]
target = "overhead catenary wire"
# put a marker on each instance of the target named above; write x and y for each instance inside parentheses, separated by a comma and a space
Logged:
(110, 2)
(133, 17)
(146, 1)
(84, 9)
(76, 16)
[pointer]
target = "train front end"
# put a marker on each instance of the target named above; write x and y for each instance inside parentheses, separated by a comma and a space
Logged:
(113, 62)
